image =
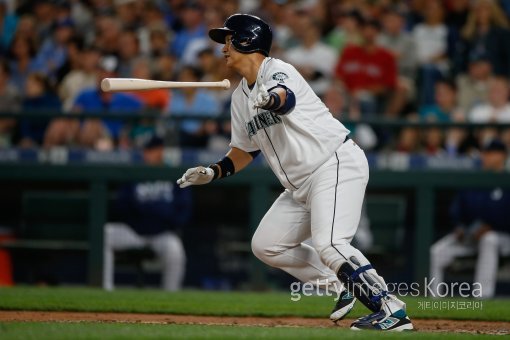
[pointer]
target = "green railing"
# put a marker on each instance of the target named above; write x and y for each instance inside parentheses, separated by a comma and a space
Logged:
(260, 181)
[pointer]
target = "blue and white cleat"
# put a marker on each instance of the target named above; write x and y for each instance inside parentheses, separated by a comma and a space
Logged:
(343, 306)
(381, 321)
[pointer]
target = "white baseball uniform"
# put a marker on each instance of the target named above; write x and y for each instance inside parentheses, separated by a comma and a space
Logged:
(325, 179)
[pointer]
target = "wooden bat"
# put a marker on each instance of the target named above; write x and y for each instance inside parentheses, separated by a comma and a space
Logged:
(133, 84)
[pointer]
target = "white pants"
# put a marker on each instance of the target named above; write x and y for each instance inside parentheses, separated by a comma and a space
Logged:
(167, 246)
(490, 246)
(326, 208)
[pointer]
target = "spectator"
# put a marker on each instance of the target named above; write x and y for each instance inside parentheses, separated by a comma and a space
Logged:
(192, 18)
(53, 53)
(38, 96)
(445, 103)
(156, 100)
(192, 102)
(486, 31)
(312, 58)
(347, 30)
(95, 133)
(431, 38)
(84, 76)
(127, 52)
(151, 216)
(8, 22)
(10, 101)
(473, 85)
(368, 71)
(107, 34)
(401, 43)
(480, 217)
(127, 13)
(21, 62)
(497, 107)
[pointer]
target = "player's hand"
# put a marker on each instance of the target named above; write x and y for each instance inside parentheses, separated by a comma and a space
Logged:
(262, 97)
(196, 176)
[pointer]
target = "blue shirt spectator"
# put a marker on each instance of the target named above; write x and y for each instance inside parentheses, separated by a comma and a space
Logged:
(38, 97)
(203, 104)
(93, 100)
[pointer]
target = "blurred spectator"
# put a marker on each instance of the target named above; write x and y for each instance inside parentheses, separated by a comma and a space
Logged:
(192, 18)
(312, 58)
(107, 34)
(347, 30)
(401, 43)
(44, 13)
(486, 32)
(80, 78)
(21, 62)
(444, 109)
(431, 38)
(473, 85)
(193, 102)
(8, 22)
(38, 96)
(95, 133)
(10, 101)
(126, 11)
(158, 42)
(127, 52)
(53, 53)
(497, 107)
(480, 217)
(151, 216)
(153, 100)
(368, 71)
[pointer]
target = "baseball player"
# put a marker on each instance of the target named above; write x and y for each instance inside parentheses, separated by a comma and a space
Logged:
(274, 111)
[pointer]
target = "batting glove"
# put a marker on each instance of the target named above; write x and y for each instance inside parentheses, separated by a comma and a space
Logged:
(263, 96)
(196, 176)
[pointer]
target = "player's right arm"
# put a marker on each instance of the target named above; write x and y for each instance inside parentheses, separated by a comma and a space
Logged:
(234, 161)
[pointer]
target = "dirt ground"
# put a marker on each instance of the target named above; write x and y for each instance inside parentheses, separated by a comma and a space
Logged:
(480, 327)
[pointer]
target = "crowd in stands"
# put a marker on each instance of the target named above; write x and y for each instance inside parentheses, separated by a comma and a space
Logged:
(417, 60)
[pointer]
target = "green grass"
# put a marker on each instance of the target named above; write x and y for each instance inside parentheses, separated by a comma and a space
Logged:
(216, 303)
(41, 330)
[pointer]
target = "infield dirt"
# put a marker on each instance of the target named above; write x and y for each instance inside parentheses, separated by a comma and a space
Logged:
(424, 325)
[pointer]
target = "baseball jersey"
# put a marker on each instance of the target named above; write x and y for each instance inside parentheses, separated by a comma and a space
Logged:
(294, 144)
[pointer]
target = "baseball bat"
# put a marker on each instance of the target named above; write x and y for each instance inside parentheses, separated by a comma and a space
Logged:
(133, 84)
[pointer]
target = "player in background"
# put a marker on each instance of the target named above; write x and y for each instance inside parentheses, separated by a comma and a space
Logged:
(274, 111)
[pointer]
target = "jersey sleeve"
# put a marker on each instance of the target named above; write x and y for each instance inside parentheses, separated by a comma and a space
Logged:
(239, 134)
(279, 74)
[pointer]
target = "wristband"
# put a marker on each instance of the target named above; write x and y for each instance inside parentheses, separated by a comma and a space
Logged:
(227, 168)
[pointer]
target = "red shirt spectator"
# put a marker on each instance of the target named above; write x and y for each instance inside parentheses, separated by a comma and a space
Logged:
(371, 68)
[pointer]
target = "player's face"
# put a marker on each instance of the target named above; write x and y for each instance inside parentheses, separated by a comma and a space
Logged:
(232, 57)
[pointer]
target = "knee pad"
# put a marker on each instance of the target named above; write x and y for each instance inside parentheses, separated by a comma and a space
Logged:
(367, 286)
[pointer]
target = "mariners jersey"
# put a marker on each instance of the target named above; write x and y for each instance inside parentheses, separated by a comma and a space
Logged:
(294, 144)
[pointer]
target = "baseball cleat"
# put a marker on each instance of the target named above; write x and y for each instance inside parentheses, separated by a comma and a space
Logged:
(381, 321)
(343, 306)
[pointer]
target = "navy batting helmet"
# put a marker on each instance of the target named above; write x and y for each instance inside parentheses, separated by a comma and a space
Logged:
(249, 34)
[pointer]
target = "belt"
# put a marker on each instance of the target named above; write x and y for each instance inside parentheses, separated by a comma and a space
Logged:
(346, 139)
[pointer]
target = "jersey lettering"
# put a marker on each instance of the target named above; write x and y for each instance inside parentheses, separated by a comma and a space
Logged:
(261, 121)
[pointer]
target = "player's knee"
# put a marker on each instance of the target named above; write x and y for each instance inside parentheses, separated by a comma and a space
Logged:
(489, 239)
(264, 250)
(171, 250)
(436, 251)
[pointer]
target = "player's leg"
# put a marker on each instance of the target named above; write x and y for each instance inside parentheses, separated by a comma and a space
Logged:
(336, 202)
(278, 242)
(170, 251)
(442, 254)
(117, 236)
(488, 259)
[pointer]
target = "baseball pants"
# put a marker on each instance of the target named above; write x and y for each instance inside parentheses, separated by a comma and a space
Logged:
(490, 246)
(167, 246)
(327, 208)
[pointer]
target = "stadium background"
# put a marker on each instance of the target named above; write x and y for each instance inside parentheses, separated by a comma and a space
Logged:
(420, 128)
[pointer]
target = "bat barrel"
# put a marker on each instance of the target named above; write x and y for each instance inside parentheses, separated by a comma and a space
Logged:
(132, 84)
